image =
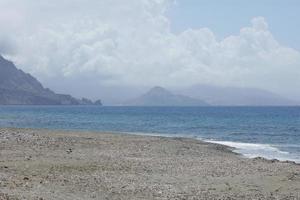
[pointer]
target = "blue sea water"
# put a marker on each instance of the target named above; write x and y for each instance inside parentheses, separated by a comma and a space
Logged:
(271, 132)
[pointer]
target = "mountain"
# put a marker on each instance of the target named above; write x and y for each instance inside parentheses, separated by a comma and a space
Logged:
(159, 96)
(19, 88)
(234, 96)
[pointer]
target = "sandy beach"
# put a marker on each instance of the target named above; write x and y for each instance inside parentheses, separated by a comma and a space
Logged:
(44, 164)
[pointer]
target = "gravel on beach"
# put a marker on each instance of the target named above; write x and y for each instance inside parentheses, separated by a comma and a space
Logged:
(69, 165)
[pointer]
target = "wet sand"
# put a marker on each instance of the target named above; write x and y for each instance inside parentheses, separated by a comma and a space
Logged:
(44, 164)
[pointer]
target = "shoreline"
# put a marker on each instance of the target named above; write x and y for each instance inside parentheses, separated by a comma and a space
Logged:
(228, 144)
(57, 164)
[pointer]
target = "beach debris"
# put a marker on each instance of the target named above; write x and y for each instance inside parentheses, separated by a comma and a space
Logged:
(28, 157)
(69, 151)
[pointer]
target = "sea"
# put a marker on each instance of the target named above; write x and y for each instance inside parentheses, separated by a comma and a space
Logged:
(269, 132)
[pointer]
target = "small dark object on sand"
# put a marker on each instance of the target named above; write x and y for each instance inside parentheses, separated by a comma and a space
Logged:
(69, 151)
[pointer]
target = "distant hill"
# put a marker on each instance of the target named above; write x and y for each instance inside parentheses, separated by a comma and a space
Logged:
(159, 96)
(19, 88)
(234, 96)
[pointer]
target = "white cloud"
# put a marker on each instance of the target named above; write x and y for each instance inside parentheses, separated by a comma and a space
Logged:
(111, 42)
(260, 24)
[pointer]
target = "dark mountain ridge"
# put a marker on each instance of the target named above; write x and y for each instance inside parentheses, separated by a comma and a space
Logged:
(20, 88)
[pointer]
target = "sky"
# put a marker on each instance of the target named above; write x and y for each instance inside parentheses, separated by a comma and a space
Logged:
(228, 16)
(99, 47)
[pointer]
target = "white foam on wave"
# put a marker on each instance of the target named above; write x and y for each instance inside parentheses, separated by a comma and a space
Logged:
(252, 150)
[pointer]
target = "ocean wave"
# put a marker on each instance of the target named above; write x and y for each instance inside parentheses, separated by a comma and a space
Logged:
(252, 150)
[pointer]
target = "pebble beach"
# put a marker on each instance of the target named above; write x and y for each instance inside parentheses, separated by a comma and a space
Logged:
(47, 164)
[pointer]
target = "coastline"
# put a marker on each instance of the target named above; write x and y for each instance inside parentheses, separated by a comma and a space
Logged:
(49, 164)
(235, 147)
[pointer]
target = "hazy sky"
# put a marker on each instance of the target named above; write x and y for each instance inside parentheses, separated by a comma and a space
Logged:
(85, 47)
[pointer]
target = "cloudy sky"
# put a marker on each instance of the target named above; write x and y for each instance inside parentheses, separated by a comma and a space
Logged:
(91, 47)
